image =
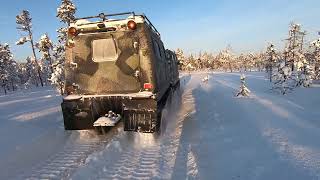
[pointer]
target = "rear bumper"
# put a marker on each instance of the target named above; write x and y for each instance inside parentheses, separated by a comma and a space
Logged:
(139, 112)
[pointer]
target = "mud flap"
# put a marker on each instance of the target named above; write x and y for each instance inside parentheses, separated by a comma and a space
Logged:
(140, 120)
(140, 115)
(78, 115)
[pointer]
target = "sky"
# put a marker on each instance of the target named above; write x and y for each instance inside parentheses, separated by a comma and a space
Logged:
(193, 25)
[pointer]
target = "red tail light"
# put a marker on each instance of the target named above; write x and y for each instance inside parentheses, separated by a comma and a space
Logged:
(132, 25)
(147, 86)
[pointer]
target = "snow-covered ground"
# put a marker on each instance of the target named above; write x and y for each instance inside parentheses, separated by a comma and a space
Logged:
(33, 140)
(208, 134)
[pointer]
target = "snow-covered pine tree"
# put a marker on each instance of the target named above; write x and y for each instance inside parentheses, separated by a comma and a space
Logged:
(304, 71)
(250, 61)
(295, 57)
(283, 81)
(180, 54)
(199, 61)
(211, 61)
(205, 60)
(8, 69)
(294, 45)
(224, 60)
(260, 63)
(45, 46)
(3, 68)
(30, 72)
(66, 11)
(290, 71)
(66, 14)
(243, 91)
(238, 62)
(181, 58)
(45, 70)
(271, 59)
(22, 73)
(57, 77)
(190, 64)
(14, 78)
(24, 24)
(227, 58)
(315, 48)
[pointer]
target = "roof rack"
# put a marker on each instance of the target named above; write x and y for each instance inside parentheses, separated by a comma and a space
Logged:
(103, 17)
(150, 24)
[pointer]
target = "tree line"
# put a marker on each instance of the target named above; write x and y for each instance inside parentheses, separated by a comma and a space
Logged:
(298, 64)
(225, 61)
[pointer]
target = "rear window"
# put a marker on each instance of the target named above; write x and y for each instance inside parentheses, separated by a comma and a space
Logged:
(104, 50)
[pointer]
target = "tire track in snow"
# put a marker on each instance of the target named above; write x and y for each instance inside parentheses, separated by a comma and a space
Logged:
(143, 156)
(73, 155)
(61, 165)
(124, 160)
(133, 164)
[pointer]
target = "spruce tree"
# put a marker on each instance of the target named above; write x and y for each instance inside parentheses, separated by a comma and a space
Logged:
(66, 14)
(243, 91)
(315, 55)
(8, 68)
(271, 60)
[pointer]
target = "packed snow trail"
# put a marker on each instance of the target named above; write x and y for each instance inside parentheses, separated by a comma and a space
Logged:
(208, 134)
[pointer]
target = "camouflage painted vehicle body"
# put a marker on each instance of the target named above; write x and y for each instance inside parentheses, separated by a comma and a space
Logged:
(118, 66)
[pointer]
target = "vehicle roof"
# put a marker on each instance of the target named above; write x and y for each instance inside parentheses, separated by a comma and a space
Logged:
(85, 22)
(82, 23)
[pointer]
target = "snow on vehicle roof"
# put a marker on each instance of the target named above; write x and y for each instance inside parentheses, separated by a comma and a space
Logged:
(84, 23)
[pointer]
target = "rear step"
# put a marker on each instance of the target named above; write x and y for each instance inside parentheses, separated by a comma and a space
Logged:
(140, 120)
(110, 119)
(104, 123)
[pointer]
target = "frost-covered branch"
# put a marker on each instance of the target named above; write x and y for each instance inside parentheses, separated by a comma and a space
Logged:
(66, 11)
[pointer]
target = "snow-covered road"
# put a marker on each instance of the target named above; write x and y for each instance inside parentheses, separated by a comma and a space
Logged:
(34, 144)
(208, 134)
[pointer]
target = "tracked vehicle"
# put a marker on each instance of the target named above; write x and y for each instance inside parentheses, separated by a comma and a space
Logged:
(117, 68)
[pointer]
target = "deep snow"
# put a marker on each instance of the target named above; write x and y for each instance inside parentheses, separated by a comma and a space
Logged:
(208, 134)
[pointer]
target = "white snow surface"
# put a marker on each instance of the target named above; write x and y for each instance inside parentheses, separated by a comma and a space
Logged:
(207, 134)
